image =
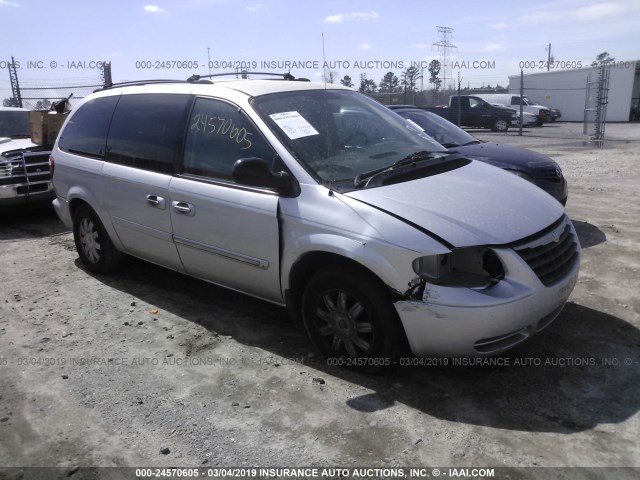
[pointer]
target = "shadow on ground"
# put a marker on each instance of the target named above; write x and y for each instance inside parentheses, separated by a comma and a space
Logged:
(588, 234)
(572, 377)
(30, 222)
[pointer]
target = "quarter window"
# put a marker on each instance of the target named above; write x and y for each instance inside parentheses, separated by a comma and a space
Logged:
(218, 135)
(86, 131)
(146, 131)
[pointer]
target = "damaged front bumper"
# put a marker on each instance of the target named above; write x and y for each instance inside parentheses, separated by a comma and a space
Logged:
(458, 321)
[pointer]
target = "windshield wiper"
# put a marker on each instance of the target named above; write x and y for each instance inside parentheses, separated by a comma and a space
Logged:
(362, 178)
(472, 142)
(450, 145)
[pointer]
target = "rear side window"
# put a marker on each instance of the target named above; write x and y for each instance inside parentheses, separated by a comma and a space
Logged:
(146, 131)
(86, 131)
(515, 100)
(218, 135)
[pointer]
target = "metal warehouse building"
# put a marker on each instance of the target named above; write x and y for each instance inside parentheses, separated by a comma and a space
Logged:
(567, 90)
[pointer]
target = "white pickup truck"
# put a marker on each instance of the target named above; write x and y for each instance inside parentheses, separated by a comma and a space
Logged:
(25, 174)
(513, 101)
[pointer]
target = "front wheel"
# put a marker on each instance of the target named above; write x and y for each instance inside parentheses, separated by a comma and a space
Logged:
(349, 316)
(94, 246)
(500, 125)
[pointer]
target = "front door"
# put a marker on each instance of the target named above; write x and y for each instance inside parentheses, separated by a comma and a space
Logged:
(225, 233)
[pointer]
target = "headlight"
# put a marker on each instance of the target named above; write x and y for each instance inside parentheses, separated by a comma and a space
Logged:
(520, 174)
(471, 267)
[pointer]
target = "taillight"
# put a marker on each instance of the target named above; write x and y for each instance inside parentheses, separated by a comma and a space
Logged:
(51, 164)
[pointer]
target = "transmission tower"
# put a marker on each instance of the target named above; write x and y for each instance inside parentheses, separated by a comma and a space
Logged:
(444, 46)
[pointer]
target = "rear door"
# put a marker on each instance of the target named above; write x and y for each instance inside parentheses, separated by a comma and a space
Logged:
(143, 149)
(225, 233)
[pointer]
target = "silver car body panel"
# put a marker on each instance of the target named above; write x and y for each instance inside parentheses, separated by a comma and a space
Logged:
(143, 227)
(477, 204)
(231, 239)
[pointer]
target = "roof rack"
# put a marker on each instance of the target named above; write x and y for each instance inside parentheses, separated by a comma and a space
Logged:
(136, 82)
(199, 79)
(285, 76)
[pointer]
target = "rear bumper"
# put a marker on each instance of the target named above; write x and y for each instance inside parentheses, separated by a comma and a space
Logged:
(61, 206)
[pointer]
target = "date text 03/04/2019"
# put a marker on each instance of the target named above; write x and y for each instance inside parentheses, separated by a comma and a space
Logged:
(314, 472)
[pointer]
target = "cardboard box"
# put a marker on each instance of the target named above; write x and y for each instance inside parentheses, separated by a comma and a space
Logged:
(45, 125)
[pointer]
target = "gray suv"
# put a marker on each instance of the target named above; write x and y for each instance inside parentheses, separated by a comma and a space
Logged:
(317, 198)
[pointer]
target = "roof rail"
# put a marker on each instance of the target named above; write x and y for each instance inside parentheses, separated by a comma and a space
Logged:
(198, 79)
(285, 76)
(136, 82)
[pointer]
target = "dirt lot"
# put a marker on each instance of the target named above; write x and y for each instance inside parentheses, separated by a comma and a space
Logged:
(107, 371)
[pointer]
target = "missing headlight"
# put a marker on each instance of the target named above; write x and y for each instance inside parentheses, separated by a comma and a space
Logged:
(471, 267)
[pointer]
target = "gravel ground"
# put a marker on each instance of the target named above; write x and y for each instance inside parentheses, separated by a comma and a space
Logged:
(116, 370)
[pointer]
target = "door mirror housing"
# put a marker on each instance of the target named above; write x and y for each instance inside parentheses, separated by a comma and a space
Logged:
(255, 172)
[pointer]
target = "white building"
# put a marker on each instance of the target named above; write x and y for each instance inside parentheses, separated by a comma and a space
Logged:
(566, 90)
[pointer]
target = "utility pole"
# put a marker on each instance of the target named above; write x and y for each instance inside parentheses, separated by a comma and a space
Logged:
(521, 95)
(548, 57)
(459, 101)
(209, 59)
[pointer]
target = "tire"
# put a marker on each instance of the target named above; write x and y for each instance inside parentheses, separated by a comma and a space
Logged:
(93, 244)
(500, 125)
(349, 316)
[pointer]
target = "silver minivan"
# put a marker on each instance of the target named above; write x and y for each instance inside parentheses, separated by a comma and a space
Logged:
(317, 198)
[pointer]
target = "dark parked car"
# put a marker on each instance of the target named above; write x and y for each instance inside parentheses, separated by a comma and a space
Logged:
(532, 166)
(555, 114)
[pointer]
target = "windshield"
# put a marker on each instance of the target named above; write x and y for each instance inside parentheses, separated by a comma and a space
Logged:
(441, 130)
(340, 134)
(14, 124)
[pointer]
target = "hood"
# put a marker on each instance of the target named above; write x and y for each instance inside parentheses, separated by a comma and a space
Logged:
(7, 144)
(507, 156)
(504, 109)
(473, 205)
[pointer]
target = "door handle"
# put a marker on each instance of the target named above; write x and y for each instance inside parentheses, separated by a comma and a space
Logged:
(156, 201)
(184, 208)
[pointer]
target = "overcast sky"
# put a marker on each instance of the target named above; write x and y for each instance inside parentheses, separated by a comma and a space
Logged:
(56, 41)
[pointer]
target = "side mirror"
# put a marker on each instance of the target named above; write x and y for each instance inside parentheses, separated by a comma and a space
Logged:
(256, 173)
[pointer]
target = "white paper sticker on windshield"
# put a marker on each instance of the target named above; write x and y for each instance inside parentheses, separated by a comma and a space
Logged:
(294, 125)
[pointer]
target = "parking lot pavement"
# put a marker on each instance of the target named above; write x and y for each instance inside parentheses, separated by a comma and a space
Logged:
(108, 370)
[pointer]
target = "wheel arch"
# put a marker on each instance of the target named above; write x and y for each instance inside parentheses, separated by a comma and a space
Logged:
(312, 262)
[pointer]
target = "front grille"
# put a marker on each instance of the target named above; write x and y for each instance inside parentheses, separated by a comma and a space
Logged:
(552, 174)
(29, 169)
(552, 261)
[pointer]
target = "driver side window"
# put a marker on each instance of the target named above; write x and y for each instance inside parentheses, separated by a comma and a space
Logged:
(219, 134)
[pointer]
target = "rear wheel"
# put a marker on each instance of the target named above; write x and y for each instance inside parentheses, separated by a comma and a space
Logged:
(349, 316)
(500, 125)
(94, 246)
